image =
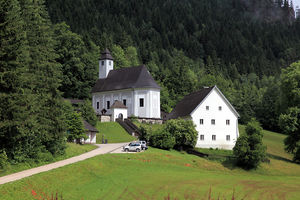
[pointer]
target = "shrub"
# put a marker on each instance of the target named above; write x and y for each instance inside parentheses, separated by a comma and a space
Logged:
(162, 140)
(88, 113)
(249, 149)
(184, 132)
(3, 160)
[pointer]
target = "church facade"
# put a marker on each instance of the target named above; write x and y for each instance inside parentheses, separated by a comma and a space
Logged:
(132, 86)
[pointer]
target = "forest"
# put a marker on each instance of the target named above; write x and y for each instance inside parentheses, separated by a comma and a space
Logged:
(50, 50)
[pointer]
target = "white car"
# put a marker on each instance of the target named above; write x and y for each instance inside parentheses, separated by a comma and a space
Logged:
(133, 146)
(144, 145)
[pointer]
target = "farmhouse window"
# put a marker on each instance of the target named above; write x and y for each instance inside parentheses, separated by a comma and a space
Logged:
(228, 137)
(201, 137)
(97, 104)
(227, 122)
(207, 107)
(108, 104)
(213, 137)
(102, 63)
(213, 121)
(201, 121)
(124, 102)
(220, 107)
(141, 102)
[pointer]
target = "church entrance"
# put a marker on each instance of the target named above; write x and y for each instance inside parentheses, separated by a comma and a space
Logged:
(120, 116)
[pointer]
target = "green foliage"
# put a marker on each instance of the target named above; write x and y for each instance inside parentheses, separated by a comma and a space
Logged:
(290, 125)
(75, 128)
(184, 132)
(249, 149)
(3, 160)
(88, 113)
(162, 140)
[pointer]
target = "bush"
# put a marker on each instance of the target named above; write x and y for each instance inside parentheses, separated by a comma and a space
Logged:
(88, 113)
(3, 160)
(184, 132)
(249, 149)
(162, 140)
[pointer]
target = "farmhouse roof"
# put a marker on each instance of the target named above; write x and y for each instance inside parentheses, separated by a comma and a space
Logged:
(106, 55)
(188, 104)
(125, 78)
(118, 104)
(89, 127)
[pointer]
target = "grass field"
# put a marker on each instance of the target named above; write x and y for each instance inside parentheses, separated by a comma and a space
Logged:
(113, 132)
(158, 174)
(71, 150)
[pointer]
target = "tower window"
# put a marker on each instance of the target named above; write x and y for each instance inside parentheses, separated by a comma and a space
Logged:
(213, 121)
(220, 107)
(141, 102)
(124, 102)
(109, 63)
(102, 62)
(201, 121)
(213, 137)
(207, 107)
(201, 137)
(97, 104)
(227, 122)
(108, 104)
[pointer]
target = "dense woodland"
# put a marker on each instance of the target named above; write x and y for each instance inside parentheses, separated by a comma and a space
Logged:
(50, 50)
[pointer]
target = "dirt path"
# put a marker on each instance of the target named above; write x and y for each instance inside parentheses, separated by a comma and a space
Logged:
(103, 149)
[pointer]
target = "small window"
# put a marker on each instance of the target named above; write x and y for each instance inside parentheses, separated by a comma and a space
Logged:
(213, 137)
(228, 137)
(141, 102)
(97, 104)
(124, 102)
(109, 63)
(213, 122)
(220, 107)
(201, 137)
(207, 107)
(108, 104)
(102, 62)
(227, 122)
(201, 121)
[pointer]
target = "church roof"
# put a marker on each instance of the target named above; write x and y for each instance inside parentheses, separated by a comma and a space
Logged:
(106, 55)
(189, 103)
(118, 104)
(125, 78)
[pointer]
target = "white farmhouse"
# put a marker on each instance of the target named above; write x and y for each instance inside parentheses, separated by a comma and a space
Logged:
(215, 118)
(134, 87)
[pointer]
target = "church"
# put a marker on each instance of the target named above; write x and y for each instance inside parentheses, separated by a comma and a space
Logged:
(132, 88)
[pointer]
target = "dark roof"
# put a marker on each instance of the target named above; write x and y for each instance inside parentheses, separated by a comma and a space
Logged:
(89, 127)
(189, 103)
(75, 101)
(118, 104)
(106, 55)
(125, 78)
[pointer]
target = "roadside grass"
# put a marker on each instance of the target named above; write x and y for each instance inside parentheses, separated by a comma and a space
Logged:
(71, 150)
(113, 132)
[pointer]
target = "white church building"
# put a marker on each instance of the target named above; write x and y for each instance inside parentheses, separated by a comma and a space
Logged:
(215, 118)
(134, 87)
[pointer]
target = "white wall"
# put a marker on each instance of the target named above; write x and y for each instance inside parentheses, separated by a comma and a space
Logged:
(104, 69)
(117, 111)
(151, 108)
(91, 138)
(220, 129)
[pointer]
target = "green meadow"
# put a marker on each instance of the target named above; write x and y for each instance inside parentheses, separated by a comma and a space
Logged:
(158, 174)
(71, 151)
(113, 132)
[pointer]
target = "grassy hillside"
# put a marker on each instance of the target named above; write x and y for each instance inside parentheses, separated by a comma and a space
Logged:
(158, 174)
(71, 150)
(113, 132)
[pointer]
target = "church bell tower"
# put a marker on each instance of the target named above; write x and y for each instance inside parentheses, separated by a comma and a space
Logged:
(106, 63)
